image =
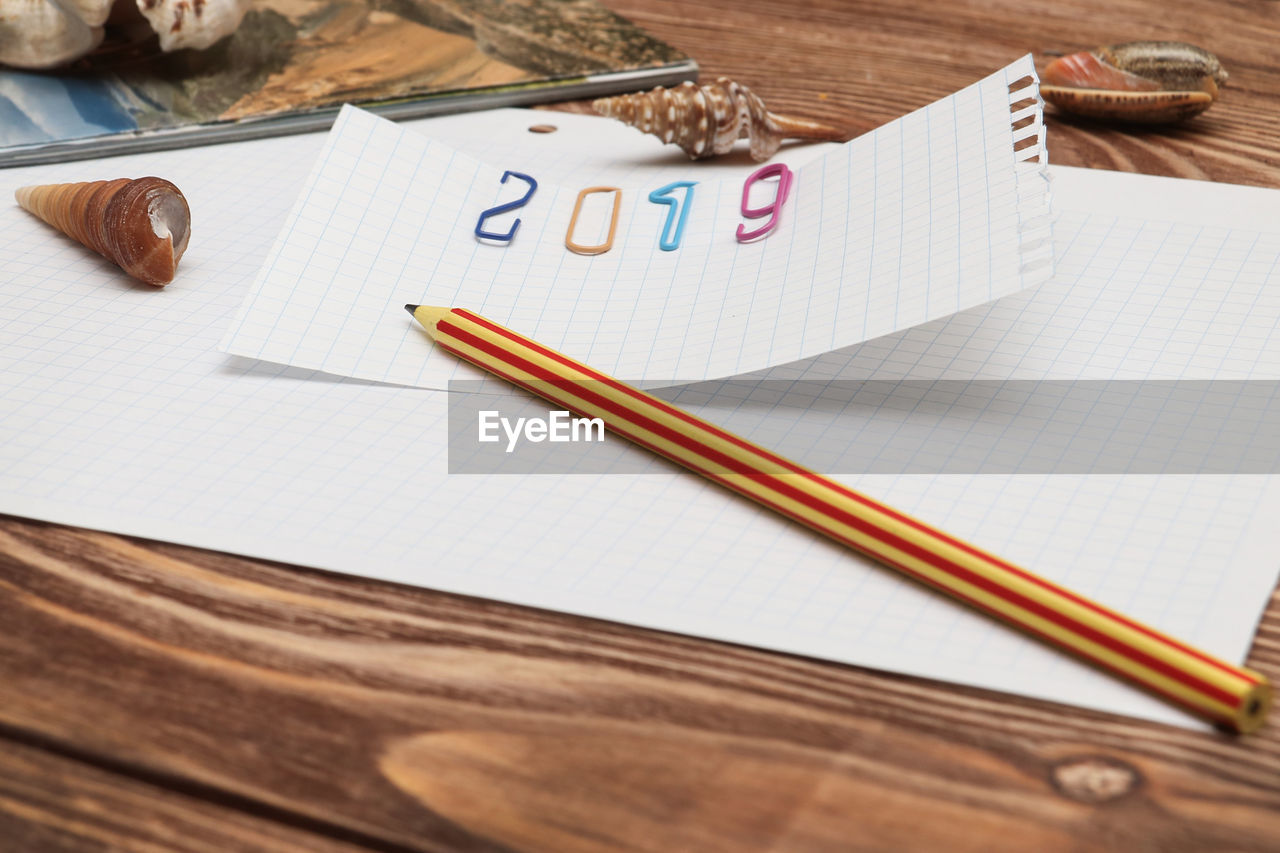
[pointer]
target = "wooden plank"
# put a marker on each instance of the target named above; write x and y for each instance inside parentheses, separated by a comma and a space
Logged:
(254, 704)
(859, 64)
(429, 721)
(49, 803)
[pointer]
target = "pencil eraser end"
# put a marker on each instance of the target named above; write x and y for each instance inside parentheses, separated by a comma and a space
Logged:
(1253, 708)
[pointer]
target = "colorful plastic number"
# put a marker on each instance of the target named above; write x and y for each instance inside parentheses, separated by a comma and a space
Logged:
(613, 222)
(677, 213)
(785, 177)
(503, 208)
(670, 241)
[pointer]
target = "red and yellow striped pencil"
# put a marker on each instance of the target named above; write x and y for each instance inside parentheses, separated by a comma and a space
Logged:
(1230, 695)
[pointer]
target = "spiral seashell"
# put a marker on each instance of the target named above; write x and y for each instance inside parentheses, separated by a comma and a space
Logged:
(708, 120)
(1148, 82)
(48, 33)
(142, 225)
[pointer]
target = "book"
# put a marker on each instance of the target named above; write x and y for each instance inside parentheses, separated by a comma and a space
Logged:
(291, 65)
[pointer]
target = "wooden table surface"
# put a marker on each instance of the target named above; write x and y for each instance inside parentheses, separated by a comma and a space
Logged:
(163, 698)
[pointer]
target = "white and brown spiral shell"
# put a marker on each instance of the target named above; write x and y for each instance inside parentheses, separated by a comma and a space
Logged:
(708, 120)
(143, 225)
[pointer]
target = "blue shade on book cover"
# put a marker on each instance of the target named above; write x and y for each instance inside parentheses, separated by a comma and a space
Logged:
(292, 63)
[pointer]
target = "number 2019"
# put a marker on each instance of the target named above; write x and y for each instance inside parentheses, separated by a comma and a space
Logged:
(678, 206)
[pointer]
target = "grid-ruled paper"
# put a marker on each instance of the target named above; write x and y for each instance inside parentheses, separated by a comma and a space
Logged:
(1186, 291)
(930, 214)
(116, 412)
(1177, 293)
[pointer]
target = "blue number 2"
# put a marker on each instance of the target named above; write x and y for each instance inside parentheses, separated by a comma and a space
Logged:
(670, 241)
(503, 208)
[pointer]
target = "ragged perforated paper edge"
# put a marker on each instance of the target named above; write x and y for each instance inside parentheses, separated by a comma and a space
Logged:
(1031, 155)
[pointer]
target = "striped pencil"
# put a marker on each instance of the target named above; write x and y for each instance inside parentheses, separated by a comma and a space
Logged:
(1230, 695)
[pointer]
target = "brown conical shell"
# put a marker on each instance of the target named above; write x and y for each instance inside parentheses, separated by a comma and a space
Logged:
(708, 120)
(142, 225)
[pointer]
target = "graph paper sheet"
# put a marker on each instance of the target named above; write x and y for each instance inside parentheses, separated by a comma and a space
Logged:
(118, 413)
(1144, 290)
(923, 217)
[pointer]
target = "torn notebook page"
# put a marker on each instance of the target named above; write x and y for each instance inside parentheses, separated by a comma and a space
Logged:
(941, 210)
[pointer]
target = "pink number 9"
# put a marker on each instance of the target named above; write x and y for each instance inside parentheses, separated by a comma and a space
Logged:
(785, 177)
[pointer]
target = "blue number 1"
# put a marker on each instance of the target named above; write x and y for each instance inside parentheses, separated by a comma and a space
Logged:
(503, 208)
(669, 241)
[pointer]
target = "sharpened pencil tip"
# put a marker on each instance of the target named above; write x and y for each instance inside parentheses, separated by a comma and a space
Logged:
(427, 315)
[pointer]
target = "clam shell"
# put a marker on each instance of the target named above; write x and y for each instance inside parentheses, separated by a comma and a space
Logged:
(1173, 65)
(1151, 82)
(49, 33)
(1136, 107)
(142, 225)
(708, 120)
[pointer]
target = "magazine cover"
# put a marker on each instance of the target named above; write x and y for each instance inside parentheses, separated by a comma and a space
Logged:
(290, 64)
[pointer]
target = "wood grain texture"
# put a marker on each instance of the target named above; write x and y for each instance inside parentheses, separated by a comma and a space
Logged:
(153, 695)
(861, 64)
(413, 720)
(51, 802)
